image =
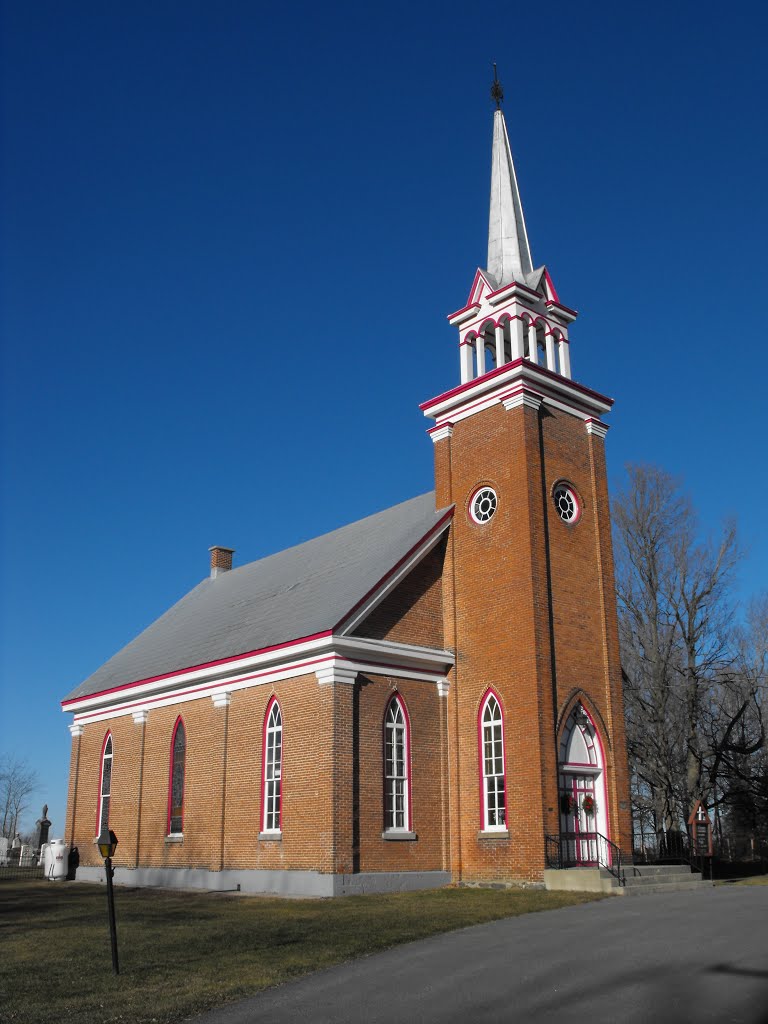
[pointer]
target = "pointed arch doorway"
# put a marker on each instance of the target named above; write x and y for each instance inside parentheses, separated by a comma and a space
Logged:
(582, 794)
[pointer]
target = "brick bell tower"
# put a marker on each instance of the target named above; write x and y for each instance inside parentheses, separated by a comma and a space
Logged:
(535, 718)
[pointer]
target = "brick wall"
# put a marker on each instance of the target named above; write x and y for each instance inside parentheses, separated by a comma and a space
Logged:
(332, 766)
(533, 612)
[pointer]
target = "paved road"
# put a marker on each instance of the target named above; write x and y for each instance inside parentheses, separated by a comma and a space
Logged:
(685, 957)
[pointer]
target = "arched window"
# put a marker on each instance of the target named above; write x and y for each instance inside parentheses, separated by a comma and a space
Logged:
(176, 785)
(105, 788)
(272, 769)
(397, 810)
(494, 809)
(541, 345)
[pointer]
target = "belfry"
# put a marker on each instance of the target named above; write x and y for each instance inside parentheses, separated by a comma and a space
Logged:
(430, 694)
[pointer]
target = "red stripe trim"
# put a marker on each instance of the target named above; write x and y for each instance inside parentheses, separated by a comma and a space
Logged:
(507, 366)
(171, 694)
(430, 533)
(197, 668)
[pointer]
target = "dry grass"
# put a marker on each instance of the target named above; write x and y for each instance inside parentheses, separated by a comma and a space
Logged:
(182, 953)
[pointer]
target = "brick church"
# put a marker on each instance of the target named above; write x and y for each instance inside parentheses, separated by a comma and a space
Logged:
(429, 695)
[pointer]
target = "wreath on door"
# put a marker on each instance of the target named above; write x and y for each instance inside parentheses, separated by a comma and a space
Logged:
(588, 805)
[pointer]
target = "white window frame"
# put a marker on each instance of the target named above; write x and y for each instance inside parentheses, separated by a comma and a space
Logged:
(272, 771)
(397, 783)
(107, 754)
(492, 765)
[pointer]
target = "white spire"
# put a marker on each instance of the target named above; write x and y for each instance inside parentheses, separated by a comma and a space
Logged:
(509, 255)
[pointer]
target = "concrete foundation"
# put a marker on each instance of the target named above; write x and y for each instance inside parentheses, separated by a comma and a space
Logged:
(278, 883)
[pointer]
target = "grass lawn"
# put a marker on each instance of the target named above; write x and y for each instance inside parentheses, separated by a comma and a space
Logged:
(182, 953)
(750, 880)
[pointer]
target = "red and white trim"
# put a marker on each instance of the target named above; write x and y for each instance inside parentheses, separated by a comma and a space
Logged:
(510, 380)
(337, 659)
(272, 769)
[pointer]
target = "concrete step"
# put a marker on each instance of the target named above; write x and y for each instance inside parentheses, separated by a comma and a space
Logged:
(647, 890)
(654, 870)
(660, 881)
(670, 878)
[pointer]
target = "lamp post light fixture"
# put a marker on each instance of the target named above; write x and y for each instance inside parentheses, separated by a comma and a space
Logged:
(107, 842)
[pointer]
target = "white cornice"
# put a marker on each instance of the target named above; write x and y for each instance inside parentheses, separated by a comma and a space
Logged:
(440, 433)
(140, 717)
(339, 660)
(76, 730)
(499, 385)
(597, 428)
(522, 397)
(337, 673)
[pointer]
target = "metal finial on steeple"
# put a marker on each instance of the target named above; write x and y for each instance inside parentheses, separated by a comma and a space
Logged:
(497, 93)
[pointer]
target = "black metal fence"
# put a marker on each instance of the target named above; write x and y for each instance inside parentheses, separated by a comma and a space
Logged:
(733, 854)
(18, 865)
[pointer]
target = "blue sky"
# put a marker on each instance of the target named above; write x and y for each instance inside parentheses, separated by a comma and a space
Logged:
(231, 236)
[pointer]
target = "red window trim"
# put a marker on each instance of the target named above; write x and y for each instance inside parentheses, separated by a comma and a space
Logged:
(398, 697)
(107, 737)
(263, 809)
(601, 757)
(490, 692)
(179, 722)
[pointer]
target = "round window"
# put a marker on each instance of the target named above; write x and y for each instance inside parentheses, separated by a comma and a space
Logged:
(566, 503)
(483, 505)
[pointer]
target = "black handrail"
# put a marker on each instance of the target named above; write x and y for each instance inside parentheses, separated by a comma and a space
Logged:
(611, 859)
(608, 854)
(553, 852)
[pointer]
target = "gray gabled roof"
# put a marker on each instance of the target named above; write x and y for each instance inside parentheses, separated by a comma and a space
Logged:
(295, 593)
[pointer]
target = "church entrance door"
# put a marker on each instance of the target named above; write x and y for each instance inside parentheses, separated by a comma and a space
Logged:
(583, 811)
(577, 820)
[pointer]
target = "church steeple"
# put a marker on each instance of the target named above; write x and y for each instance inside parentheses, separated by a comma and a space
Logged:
(513, 315)
(509, 254)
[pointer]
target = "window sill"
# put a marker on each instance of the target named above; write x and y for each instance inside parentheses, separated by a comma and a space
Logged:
(493, 834)
(401, 837)
(270, 837)
(175, 837)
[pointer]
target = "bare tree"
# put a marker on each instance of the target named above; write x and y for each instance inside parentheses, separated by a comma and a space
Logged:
(694, 684)
(17, 784)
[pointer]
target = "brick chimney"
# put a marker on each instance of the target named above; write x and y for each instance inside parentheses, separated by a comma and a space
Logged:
(221, 560)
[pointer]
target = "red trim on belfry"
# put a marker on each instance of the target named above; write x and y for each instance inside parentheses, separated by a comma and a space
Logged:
(507, 366)
(470, 305)
(551, 288)
(197, 668)
(561, 306)
(517, 284)
(430, 533)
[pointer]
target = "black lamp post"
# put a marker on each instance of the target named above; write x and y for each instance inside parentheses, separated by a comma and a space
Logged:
(107, 845)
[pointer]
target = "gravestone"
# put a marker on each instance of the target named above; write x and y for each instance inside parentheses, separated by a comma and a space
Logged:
(44, 827)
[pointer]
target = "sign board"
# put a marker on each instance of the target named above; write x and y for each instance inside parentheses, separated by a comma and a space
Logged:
(700, 829)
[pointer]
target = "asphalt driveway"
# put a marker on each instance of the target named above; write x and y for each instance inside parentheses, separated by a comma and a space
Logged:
(683, 957)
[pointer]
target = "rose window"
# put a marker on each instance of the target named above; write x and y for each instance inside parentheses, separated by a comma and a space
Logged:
(483, 505)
